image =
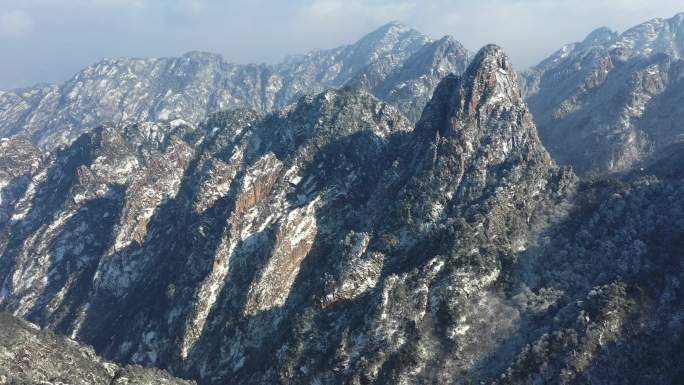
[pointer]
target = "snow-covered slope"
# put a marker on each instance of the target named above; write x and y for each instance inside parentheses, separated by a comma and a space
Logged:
(607, 103)
(334, 242)
(29, 355)
(196, 84)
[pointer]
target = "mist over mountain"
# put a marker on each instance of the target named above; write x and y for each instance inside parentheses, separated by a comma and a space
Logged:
(394, 211)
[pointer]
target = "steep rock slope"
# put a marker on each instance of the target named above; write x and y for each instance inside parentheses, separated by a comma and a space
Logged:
(111, 216)
(29, 355)
(607, 103)
(196, 84)
(608, 279)
(19, 160)
(410, 85)
(332, 242)
(326, 243)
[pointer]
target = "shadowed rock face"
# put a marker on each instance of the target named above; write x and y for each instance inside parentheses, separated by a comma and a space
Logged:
(252, 231)
(29, 355)
(402, 65)
(611, 101)
(332, 242)
(19, 160)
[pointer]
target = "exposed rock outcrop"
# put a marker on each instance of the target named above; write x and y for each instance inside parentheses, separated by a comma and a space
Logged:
(29, 355)
(611, 101)
(400, 65)
(335, 242)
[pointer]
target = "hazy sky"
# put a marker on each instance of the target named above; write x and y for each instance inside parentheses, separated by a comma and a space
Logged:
(49, 40)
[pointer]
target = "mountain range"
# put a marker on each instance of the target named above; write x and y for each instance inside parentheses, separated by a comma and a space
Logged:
(396, 63)
(381, 213)
(612, 100)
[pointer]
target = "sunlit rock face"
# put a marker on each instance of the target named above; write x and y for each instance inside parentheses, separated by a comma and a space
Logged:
(613, 100)
(396, 63)
(336, 242)
(165, 243)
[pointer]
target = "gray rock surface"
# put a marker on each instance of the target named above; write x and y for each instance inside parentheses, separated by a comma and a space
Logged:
(404, 67)
(29, 355)
(335, 242)
(252, 231)
(611, 101)
(19, 160)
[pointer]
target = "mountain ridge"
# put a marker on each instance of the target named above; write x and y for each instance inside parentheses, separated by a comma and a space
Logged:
(592, 100)
(335, 241)
(198, 83)
(316, 209)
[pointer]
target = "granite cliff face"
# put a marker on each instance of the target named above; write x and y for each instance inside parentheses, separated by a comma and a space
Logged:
(399, 65)
(611, 101)
(334, 241)
(322, 243)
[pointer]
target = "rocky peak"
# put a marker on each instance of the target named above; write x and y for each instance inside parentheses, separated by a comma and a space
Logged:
(389, 38)
(481, 135)
(337, 66)
(488, 88)
(409, 84)
(654, 36)
(607, 102)
(449, 41)
(490, 81)
(599, 36)
(440, 53)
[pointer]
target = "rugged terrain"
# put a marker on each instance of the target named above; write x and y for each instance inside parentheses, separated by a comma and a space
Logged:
(613, 100)
(343, 240)
(395, 63)
(333, 242)
(30, 356)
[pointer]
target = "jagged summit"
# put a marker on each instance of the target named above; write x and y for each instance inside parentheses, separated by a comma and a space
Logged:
(489, 53)
(480, 129)
(393, 39)
(599, 36)
(608, 102)
(391, 34)
(492, 79)
(390, 27)
(395, 63)
(658, 35)
(489, 87)
(449, 40)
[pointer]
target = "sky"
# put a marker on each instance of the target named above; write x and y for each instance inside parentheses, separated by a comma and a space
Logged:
(50, 40)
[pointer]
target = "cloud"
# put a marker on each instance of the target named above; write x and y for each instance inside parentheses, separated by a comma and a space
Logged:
(16, 23)
(378, 10)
